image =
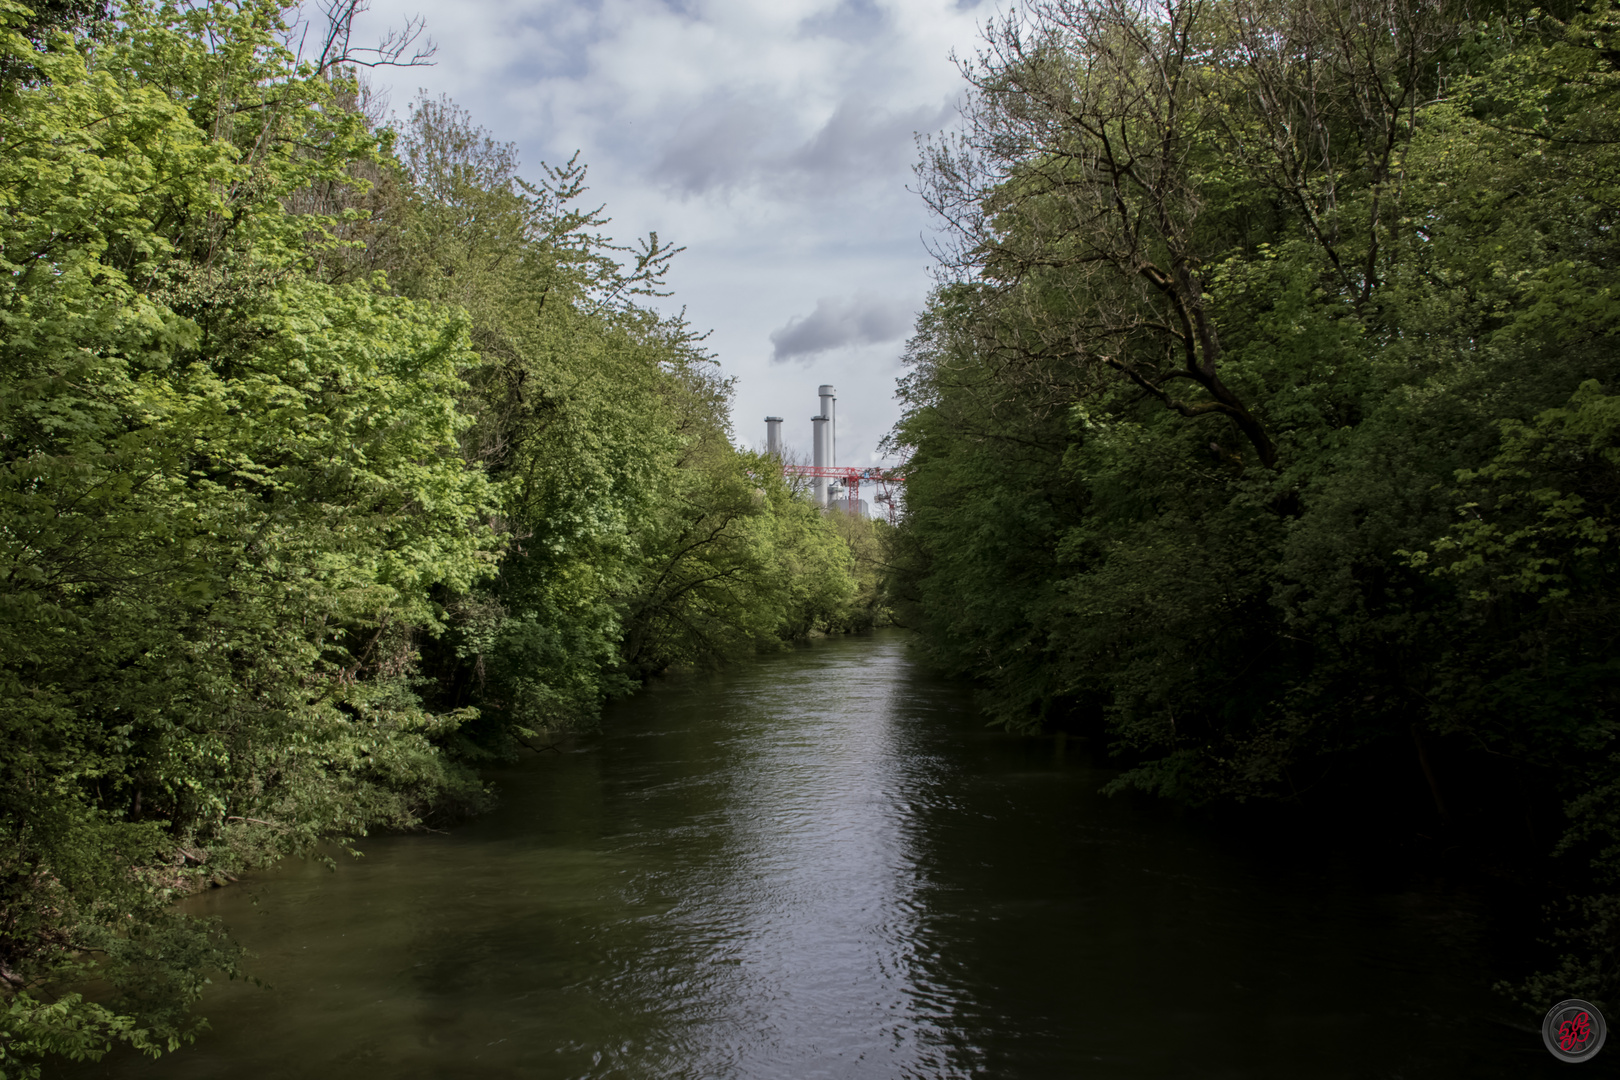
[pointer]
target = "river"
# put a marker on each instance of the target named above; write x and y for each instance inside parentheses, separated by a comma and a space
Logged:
(821, 864)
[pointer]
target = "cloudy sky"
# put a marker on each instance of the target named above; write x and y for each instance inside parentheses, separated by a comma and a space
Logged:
(774, 139)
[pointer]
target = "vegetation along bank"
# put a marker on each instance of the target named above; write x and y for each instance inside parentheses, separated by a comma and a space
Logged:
(336, 460)
(1264, 423)
(1263, 426)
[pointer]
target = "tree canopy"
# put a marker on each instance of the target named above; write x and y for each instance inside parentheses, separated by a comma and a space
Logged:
(336, 458)
(1262, 423)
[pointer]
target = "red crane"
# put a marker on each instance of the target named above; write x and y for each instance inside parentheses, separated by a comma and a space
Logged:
(887, 481)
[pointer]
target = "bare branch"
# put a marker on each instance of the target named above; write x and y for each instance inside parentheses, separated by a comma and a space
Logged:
(333, 22)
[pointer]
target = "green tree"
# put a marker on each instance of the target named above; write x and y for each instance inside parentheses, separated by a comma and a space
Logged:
(1374, 239)
(228, 491)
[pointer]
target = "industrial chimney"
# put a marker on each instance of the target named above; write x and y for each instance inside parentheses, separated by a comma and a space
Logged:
(829, 409)
(773, 436)
(818, 458)
(824, 444)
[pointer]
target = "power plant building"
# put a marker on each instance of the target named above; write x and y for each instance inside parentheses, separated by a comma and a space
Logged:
(828, 492)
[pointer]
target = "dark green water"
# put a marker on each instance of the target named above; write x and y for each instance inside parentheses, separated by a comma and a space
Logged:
(821, 865)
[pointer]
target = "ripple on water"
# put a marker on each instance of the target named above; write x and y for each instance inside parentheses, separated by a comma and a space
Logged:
(821, 865)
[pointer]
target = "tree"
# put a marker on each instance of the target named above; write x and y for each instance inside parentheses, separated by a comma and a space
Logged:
(1387, 231)
(227, 490)
(1076, 191)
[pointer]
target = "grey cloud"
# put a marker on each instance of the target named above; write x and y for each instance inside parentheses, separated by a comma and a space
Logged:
(728, 144)
(839, 322)
(858, 138)
(715, 147)
(851, 20)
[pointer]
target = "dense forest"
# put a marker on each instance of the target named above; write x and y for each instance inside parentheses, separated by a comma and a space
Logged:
(1264, 425)
(336, 461)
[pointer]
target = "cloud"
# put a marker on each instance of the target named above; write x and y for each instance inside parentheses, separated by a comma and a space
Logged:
(852, 21)
(713, 147)
(859, 138)
(729, 144)
(772, 138)
(837, 323)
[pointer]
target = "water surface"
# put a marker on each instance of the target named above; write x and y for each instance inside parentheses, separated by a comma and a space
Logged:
(821, 864)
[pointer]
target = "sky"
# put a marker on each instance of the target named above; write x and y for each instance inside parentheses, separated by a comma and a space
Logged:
(773, 139)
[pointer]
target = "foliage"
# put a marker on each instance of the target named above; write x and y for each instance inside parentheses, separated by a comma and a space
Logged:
(1263, 421)
(332, 461)
(640, 538)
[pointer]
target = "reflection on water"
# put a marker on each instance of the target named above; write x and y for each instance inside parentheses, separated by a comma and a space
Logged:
(821, 865)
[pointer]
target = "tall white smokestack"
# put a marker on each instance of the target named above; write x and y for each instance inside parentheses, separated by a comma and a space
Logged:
(829, 409)
(773, 436)
(818, 426)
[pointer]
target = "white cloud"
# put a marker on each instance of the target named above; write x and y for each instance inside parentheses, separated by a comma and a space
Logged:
(772, 139)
